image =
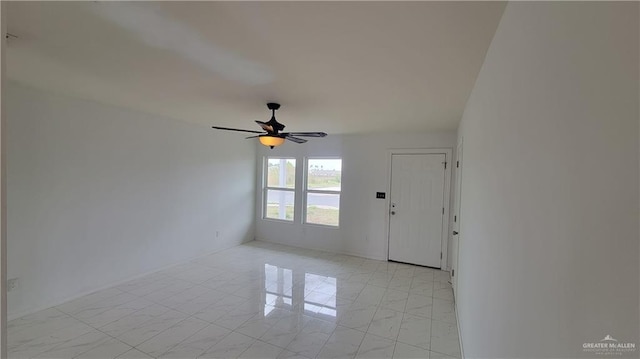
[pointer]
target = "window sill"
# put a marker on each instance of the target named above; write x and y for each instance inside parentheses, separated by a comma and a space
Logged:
(322, 225)
(276, 220)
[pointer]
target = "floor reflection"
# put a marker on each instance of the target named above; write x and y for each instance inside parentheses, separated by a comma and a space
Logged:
(278, 285)
(312, 293)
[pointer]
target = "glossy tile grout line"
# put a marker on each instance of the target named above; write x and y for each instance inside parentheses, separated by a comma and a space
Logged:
(255, 300)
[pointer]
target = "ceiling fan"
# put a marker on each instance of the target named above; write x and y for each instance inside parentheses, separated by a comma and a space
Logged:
(271, 136)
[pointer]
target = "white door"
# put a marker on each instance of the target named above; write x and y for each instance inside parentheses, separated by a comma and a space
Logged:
(416, 213)
(455, 239)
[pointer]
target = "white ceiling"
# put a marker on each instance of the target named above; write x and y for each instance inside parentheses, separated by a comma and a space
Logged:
(336, 67)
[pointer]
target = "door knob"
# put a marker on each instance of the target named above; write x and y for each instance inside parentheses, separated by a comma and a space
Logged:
(455, 233)
(393, 213)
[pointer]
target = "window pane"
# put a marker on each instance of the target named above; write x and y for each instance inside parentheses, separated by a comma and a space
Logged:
(324, 174)
(279, 204)
(281, 172)
(323, 208)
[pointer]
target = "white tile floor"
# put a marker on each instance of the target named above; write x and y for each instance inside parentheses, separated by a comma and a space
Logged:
(258, 300)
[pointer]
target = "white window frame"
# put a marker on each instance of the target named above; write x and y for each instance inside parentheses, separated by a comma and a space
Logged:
(306, 190)
(266, 188)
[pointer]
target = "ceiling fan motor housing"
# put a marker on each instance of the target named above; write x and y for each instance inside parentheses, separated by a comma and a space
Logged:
(275, 125)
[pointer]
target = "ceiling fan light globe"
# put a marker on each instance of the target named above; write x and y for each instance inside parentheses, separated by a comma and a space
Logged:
(271, 141)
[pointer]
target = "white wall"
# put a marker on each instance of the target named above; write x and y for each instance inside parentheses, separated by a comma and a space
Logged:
(3, 188)
(365, 171)
(549, 232)
(98, 194)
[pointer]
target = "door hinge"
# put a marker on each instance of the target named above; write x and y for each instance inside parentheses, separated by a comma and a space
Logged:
(457, 164)
(455, 218)
(445, 165)
(440, 255)
(453, 272)
(442, 210)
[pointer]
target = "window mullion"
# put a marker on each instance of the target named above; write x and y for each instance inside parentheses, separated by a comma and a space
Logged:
(322, 191)
(299, 214)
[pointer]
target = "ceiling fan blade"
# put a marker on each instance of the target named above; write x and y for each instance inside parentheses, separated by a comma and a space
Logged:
(265, 126)
(234, 129)
(295, 139)
(246, 138)
(305, 134)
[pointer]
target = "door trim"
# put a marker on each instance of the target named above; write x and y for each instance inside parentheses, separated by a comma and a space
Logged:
(447, 152)
(457, 204)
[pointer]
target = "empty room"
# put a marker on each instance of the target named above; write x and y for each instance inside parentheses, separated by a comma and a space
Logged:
(320, 179)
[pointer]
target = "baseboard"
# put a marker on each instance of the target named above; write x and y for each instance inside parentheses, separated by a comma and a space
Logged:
(455, 303)
(349, 253)
(12, 316)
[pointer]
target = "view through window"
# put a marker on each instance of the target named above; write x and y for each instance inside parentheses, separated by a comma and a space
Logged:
(280, 188)
(324, 183)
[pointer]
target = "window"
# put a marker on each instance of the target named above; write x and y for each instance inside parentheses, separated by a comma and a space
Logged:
(280, 187)
(324, 178)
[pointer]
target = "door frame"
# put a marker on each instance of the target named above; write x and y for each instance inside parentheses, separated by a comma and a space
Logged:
(457, 204)
(447, 152)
